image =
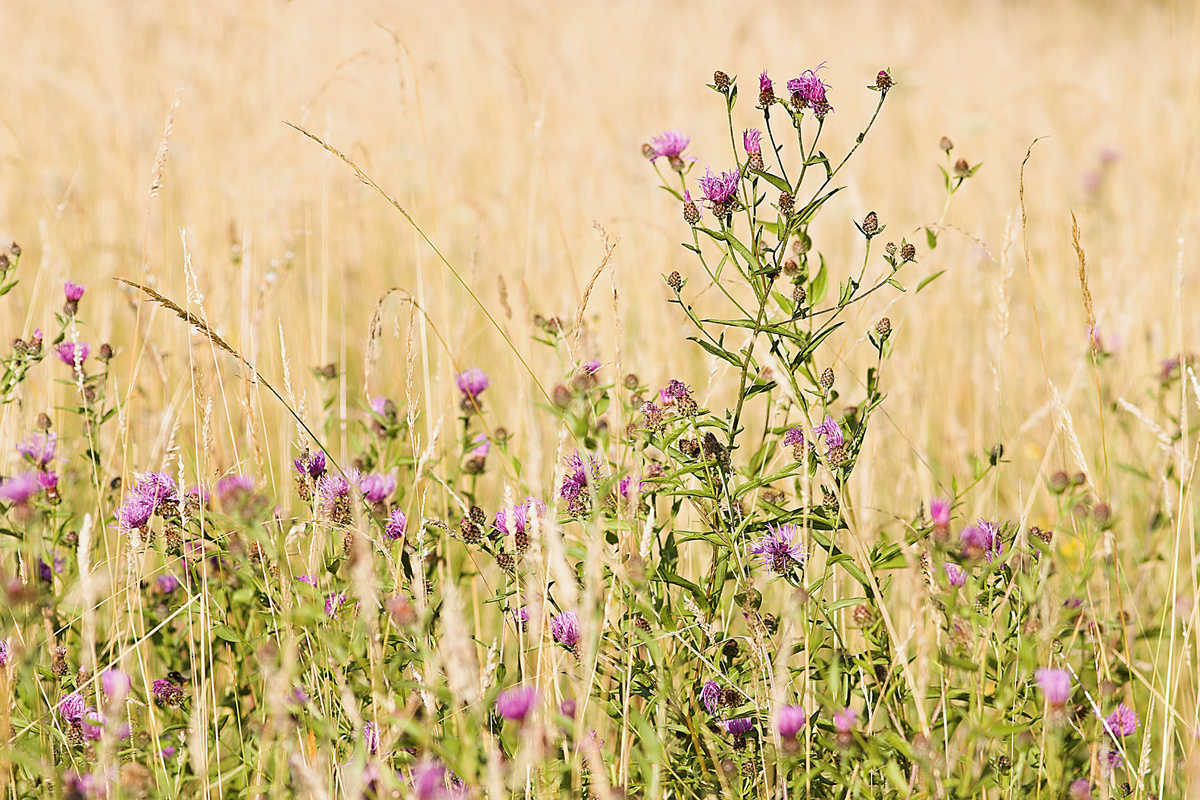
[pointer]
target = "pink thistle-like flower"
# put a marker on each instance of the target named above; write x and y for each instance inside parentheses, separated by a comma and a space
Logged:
(752, 141)
(516, 518)
(333, 604)
(115, 683)
(72, 708)
(19, 489)
(167, 583)
(396, 525)
(376, 488)
(794, 436)
(565, 628)
(431, 781)
(39, 448)
(789, 721)
(1055, 685)
(710, 695)
(982, 538)
(955, 574)
(939, 511)
(232, 488)
(1121, 722)
(669, 145)
(516, 704)
(831, 431)
(472, 382)
(371, 737)
(483, 446)
(738, 727)
(780, 548)
(73, 353)
(808, 90)
(1080, 790)
(845, 720)
(720, 189)
(73, 291)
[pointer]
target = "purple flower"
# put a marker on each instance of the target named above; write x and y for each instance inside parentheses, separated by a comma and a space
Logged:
(1080, 790)
(955, 574)
(521, 616)
(396, 525)
(752, 141)
(92, 724)
(44, 571)
(809, 90)
(982, 538)
(515, 704)
(738, 727)
(376, 488)
(72, 353)
(309, 579)
(831, 431)
(167, 583)
(472, 382)
(48, 481)
(710, 695)
(720, 190)
(790, 719)
(313, 466)
(1121, 722)
(166, 693)
(232, 488)
(631, 488)
(845, 720)
(333, 488)
(669, 145)
(371, 737)
(676, 390)
(379, 404)
(779, 548)
(334, 602)
(19, 489)
(431, 781)
(574, 485)
(590, 367)
(5, 651)
(939, 510)
(73, 291)
(86, 785)
(72, 708)
(1111, 761)
(1055, 685)
(115, 683)
(483, 446)
(158, 487)
(517, 518)
(168, 751)
(565, 628)
(764, 84)
(39, 448)
(793, 437)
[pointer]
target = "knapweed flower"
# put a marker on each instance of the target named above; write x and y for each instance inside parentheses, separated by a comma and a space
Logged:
(752, 142)
(520, 616)
(396, 525)
(115, 683)
(232, 488)
(39, 448)
(691, 215)
(720, 190)
(1111, 760)
(44, 571)
(472, 383)
(710, 695)
(371, 737)
(831, 431)
(670, 145)
(167, 583)
(73, 291)
(845, 721)
(766, 90)
(431, 781)
(789, 721)
(93, 724)
(738, 727)
(19, 489)
(575, 482)
(73, 353)
(780, 548)
(71, 708)
(48, 481)
(134, 513)
(1055, 685)
(982, 538)
(376, 488)
(333, 603)
(313, 465)
(808, 91)
(1121, 722)
(955, 574)
(565, 628)
(309, 579)
(515, 519)
(334, 491)
(482, 446)
(1080, 790)
(630, 488)
(5, 651)
(939, 511)
(675, 391)
(166, 693)
(793, 437)
(516, 704)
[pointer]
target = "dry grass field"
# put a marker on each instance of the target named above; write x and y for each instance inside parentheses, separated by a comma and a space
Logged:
(512, 133)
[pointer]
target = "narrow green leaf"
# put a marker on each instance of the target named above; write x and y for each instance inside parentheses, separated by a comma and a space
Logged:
(712, 349)
(820, 284)
(928, 280)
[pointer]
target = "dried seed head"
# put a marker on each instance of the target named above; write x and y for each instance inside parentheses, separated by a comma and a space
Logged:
(470, 532)
(864, 615)
(730, 696)
(870, 224)
(883, 81)
(105, 353)
(506, 561)
(43, 422)
(884, 327)
(828, 498)
(648, 150)
(631, 381)
(946, 144)
(787, 203)
(731, 648)
(791, 267)
(690, 448)
(827, 378)
(962, 168)
(1045, 536)
(908, 252)
(477, 515)
(721, 81)
(58, 661)
(675, 281)
(799, 295)
(691, 212)
(890, 248)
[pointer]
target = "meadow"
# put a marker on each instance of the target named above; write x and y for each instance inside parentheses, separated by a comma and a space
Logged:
(641, 399)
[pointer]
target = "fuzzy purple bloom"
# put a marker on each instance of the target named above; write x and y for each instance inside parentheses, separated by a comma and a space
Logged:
(631, 488)
(676, 390)
(810, 91)
(5, 651)
(565, 628)
(333, 488)
(48, 481)
(1055, 685)
(1080, 790)
(72, 353)
(232, 488)
(939, 511)
(517, 518)
(309, 579)
(333, 603)
(379, 404)
(780, 548)
(720, 189)
(738, 727)
(376, 488)
(314, 466)
(669, 144)
(520, 616)
(371, 737)
(167, 583)
(831, 431)
(72, 708)
(44, 571)
(92, 724)
(845, 720)
(39, 448)
(710, 695)
(752, 141)
(955, 574)
(982, 538)
(115, 683)
(575, 482)
(431, 781)
(1121, 722)
(793, 436)
(396, 525)
(472, 382)
(764, 83)
(483, 446)
(166, 693)
(73, 291)
(19, 489)
(590, 367)
(790, 719)
(516, 704)
(134, 513)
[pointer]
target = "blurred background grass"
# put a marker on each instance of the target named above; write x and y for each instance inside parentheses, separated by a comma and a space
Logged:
(509, 130)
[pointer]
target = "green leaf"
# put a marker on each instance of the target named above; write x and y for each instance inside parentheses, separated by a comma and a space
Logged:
(930, 238)
(712, 349)
(895, 283)
(741, 249)
(776, 181)
(815, 342)
(928, 280)
(820, 284)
